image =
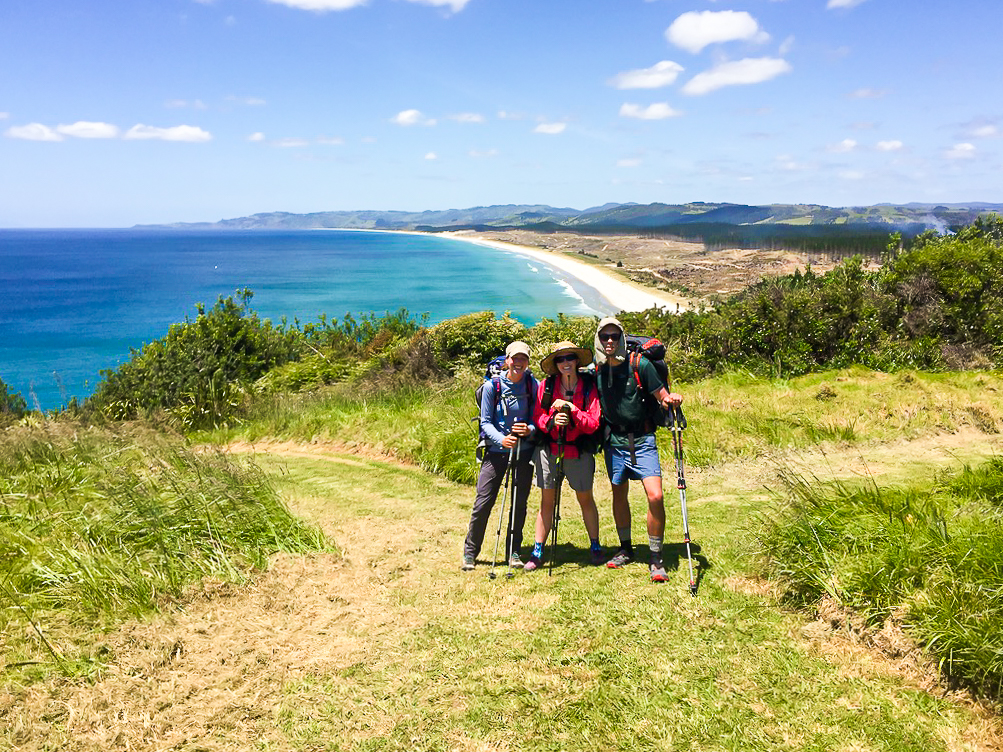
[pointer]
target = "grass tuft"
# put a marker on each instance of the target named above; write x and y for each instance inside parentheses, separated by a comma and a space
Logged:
(95, 527)
(929, 555)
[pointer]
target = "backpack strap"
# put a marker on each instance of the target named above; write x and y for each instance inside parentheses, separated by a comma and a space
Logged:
(635, 368)
(496, 380)
(548, 393)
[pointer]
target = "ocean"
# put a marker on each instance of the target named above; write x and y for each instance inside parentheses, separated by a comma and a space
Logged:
(74, 302)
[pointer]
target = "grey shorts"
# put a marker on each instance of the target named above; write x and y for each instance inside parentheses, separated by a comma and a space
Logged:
(578, 471)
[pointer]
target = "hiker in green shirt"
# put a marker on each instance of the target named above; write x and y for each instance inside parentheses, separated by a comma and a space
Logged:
(631, 453)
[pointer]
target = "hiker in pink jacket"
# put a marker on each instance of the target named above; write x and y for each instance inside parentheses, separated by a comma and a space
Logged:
(567, 411)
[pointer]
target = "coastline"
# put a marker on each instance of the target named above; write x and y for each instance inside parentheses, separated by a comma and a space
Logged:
(620, 294)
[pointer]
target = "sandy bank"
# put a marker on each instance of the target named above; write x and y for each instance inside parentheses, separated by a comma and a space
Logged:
(621, 294)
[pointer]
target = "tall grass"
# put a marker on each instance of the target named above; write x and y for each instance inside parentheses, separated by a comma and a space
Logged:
(929, 555)
(96, 526)
(428, 425)
(736, 415)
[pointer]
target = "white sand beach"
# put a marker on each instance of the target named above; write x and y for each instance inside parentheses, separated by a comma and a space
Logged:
(622, 294)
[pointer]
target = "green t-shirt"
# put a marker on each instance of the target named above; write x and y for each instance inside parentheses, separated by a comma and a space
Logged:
(624, 405)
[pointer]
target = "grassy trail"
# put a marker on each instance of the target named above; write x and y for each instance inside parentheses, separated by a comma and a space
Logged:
(386, 644)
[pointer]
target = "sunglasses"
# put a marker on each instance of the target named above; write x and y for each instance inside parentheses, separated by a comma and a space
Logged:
(613, 336)
(564, 358)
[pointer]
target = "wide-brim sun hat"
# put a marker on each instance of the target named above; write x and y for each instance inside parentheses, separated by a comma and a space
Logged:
(565, 348)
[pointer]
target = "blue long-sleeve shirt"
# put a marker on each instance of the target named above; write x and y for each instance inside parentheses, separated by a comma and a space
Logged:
(499, 414)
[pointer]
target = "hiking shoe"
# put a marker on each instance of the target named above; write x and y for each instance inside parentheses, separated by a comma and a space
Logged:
(621, 558)
(597, 557)
(533, 562)
(515, 561)
(468, 563)
(657, 570)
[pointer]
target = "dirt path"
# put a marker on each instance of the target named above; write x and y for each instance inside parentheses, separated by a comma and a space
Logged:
(334, 649)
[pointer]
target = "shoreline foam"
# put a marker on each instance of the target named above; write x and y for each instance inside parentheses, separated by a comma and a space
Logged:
(621, 294)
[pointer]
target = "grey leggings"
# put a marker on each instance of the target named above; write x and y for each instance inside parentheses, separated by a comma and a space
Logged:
(489, 483)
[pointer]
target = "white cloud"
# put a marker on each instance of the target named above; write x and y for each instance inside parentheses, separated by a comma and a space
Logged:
(960, 151)
(656, 111)
(660, 74)
(4, 115)
(259, 136)
(696, 29)
(330, 140)
(634, 162)
(320, 6)
(846, 145)
(292, 143)
(852, 175)
(190, 133)
(550, 128)
(889, 145)
(842, 4)
(411, 117)
(739, 72)
(867, 94)
(477, 154)
(178, 104)
(455, 5)
(467, 117)
(505, 115)
(984, 131)
(431, 156)
(83, 129)
(33, 132)
(787, 163)
(787, 45)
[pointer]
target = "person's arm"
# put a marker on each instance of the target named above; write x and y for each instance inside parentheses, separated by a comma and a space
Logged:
(488, 426)
(654, 385)
(588, 419)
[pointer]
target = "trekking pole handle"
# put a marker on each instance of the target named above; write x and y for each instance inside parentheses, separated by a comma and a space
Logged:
(678, 419)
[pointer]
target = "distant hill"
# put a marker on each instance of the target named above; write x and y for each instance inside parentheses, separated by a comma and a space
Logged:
(911, 217)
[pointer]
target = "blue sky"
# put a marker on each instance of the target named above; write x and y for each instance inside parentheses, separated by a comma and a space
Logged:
(115, 113)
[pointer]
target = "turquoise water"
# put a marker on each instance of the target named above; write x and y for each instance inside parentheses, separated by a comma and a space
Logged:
(73, 302)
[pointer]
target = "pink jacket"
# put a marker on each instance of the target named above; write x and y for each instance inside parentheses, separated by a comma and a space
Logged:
(584, 418)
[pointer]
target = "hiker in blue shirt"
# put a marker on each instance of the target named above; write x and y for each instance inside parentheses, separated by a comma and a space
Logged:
(506, 422)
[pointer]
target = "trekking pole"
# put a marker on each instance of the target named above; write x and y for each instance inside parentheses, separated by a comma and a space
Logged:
(510, 535)
(501, 515)
(678, 423)
(557, 499)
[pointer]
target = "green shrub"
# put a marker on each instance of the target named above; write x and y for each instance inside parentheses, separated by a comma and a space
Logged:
(200, 368)
(472, 340)
(937, 303)
(369, 334)
(12, 405)
(951, 287)
(547, 332)
(312, 372)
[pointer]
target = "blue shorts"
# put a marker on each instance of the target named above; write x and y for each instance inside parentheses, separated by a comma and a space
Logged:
(645, 465)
